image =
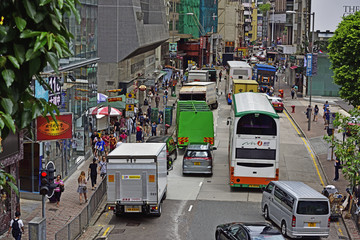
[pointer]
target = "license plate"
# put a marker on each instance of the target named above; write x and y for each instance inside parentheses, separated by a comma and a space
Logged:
(133, 209)
(197, 163)
(311, 224)
(254, 186)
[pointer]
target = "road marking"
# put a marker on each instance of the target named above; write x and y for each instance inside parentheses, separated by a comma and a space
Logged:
(108, 228)
(308, 147)
(200, 184)
(190, 208)
(339, 229)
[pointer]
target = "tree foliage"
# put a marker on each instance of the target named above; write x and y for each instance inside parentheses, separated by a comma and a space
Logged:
(347, 151)
(264, 8)
(8, 182)
(344, 52)
(32, 35)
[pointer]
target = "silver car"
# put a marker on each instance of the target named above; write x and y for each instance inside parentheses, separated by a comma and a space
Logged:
(198, 159)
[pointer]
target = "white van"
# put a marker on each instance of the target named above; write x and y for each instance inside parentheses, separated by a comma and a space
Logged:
(297, 209)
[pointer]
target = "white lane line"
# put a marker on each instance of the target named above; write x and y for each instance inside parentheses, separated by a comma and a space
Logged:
(190, 208)
(200, 184)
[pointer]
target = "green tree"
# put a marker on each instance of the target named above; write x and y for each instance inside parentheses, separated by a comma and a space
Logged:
(264, 8)
(32, 35)
(344, 52)
(348, 150)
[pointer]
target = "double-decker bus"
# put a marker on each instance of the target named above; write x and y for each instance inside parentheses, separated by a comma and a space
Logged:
(254, 141)
(236, 70)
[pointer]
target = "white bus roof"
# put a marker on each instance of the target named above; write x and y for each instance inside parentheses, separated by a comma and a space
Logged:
(300, 190)
(238, 64)
(199, 83)
(250, 102)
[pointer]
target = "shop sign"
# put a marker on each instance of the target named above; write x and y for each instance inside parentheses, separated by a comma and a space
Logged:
(114, 99)
(55, 94)
(130, 95)
(129, 107)
(173, 47)
(51, 131)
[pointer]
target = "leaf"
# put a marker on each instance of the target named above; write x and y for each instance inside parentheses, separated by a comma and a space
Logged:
(36, 110)
(7, 104)
(61, 3)
(34, 66)
(25, 119)
(58, 14)
(50, 40)
(58, 49)
(30, 8)
(9, 122)
(9, 76)
(53, 60)
(39, 44)
(29, 34)
(20, 23)
(14, 61)
(42, 35)
(44, 2)
(55, 21)
(2, 61)
(39, 17)
(74, 11)
(1, 124)
(3, 31)
(14, 187)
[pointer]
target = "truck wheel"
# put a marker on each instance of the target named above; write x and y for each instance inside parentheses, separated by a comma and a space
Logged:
(159, 213)
(164, 196)
(215, 106)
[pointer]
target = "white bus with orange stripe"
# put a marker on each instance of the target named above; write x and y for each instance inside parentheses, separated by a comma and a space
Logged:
(254, 141)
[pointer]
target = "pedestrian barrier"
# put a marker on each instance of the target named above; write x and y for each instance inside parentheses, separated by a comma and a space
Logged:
(76, 226)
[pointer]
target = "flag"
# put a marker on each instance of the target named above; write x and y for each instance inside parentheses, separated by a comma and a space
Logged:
(320, 51)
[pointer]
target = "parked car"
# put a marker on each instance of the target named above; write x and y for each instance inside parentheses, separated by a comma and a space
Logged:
(171, 151)
(277, 103)
(247, 231)
(198, 159)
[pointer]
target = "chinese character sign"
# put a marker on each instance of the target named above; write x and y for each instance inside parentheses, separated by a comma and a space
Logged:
(309, 64)
(55, 94)
(51, 131)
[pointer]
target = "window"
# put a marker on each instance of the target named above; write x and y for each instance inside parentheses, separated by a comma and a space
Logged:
(313, 207)
(233, 229)
(256, 124)
(241, 234)
(194, 154)
(279, 194)
(269, 187)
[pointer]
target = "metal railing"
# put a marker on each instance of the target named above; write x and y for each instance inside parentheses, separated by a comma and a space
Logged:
(76, 226)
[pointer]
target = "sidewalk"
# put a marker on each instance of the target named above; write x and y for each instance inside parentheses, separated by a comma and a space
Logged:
(315, 138)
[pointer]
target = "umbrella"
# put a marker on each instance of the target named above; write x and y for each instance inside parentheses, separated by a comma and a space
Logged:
(105, 111)
(92, 110)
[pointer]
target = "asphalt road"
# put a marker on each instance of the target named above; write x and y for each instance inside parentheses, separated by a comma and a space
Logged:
(195, 205)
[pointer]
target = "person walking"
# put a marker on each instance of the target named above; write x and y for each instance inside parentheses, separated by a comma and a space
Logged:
(100, 147)
(106, 139)
(308, 112)
(16, 227)
(325, 107)
(153, 129)
(92, 172)
(102, 167)
(157, 100)
(82, 189)
(337, 166)
(165, 97)
(112, 142)
(139, 134)
(220, 75)
(316, 112)
(292, 93)
(123, 137)
(59, 189)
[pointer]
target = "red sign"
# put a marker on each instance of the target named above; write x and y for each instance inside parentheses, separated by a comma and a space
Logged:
(115, 99)
(52, 131)
(201, 42)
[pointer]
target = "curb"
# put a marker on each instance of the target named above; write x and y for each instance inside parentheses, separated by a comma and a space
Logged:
(317, 159)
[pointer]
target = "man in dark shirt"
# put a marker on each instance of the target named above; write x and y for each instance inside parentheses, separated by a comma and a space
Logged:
(92, 172)
(93, 136)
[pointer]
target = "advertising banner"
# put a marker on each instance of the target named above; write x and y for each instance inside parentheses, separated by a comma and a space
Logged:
(51, 131)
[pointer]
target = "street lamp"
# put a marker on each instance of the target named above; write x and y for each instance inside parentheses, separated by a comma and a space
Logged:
(312, 54)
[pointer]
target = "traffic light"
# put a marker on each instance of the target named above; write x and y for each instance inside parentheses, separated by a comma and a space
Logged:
(44, 182)
(51, 176)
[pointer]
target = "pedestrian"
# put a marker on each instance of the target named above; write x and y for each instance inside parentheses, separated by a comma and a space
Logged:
(102, 167)
(82, 189)
(308, 112)
(316, 112)
(327, 117)
(150, 96)
(337, 166)
(112, 142)
(153, 129)
(123, 137)
(139, 134)
(119, 143)
(157, 100)
(117, 127)
(325, 106)
(93, 140)
(59, 189)
(16, 227)
(165, 97)
(292, 93)
(149, 111)
(100, 147)
(92, 172)
(106, 139)
(220, 75)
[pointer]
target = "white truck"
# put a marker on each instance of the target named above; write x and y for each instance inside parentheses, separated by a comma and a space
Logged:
(198, 76)
(200, 91)
(137, 178)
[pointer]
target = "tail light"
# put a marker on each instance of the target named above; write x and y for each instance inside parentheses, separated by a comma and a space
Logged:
(329, 222)
(154, 208)
(293, 221)
(111, 207)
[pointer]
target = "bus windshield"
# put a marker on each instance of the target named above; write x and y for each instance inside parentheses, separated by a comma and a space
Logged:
(256, 124)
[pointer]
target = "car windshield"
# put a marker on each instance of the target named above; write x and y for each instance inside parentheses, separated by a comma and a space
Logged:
(276, 100)
(196, 153)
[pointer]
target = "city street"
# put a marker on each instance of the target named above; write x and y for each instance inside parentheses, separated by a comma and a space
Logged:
(195, 205)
